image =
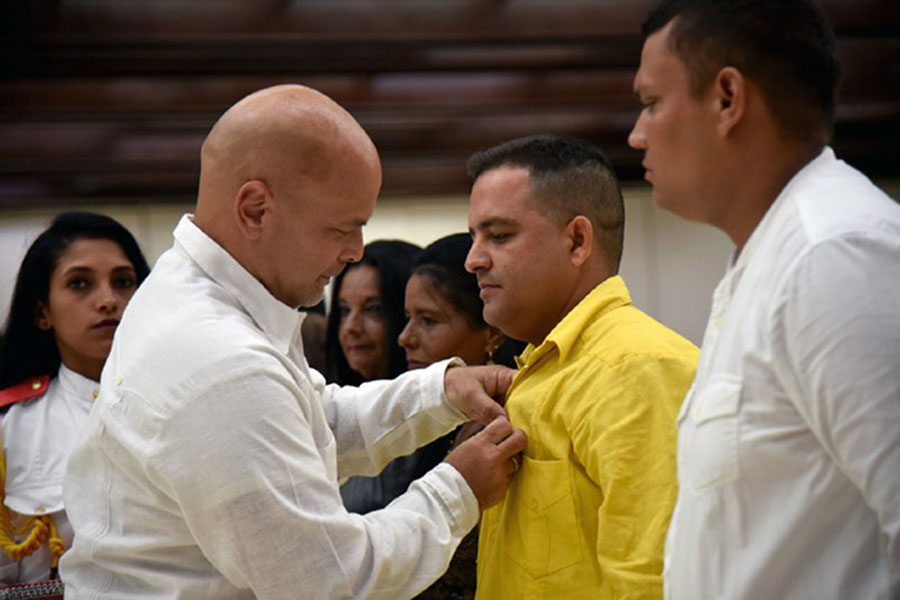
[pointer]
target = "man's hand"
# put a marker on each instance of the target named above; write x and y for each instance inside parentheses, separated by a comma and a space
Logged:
(478, 392)
(489, 459)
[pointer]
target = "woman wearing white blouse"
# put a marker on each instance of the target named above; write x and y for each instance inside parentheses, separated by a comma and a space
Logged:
(73, 284)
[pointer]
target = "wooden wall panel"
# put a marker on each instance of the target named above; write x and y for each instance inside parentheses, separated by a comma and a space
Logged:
(109, 101)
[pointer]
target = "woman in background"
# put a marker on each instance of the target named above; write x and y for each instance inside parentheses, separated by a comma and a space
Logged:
(365, 319)
(366, 315)
(445, 320)
(73, 284)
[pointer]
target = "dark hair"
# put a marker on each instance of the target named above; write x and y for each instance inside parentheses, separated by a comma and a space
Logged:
(393, 259)
(443, 263)
(569, 177)
(786, 47)
(26, 350)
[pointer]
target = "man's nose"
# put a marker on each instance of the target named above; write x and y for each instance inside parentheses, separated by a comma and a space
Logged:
(637, 139)
(354, 251)
(476, 259)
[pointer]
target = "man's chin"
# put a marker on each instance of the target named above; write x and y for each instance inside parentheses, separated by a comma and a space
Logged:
(492, 314)
(313, 297)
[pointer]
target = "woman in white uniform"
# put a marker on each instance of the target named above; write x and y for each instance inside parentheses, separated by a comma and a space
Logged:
(73, 284)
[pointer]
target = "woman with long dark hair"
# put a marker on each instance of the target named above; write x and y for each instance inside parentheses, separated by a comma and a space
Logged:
(365, 318)
(366, 315)
(72, 287)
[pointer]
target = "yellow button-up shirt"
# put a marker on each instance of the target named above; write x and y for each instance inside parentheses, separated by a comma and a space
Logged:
(586, 515)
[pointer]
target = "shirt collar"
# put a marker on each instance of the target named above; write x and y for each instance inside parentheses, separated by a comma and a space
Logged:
(810, 169)
(74, 385)
(605, 297)
(277, 320)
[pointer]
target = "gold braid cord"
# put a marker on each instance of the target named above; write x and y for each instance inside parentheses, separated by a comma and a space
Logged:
(33, 531)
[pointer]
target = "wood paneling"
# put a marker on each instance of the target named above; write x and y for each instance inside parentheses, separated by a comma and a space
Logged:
(106, 101)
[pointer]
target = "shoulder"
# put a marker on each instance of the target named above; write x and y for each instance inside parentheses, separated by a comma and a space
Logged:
(838, 201)
(629, 337)
(31, 388)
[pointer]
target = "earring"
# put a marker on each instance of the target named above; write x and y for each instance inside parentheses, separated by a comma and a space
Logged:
(490, 354)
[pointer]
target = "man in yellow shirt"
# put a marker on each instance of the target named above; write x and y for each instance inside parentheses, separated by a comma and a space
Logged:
(599, 385)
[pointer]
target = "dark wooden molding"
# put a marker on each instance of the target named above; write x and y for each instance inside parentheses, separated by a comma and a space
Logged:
(106, 101)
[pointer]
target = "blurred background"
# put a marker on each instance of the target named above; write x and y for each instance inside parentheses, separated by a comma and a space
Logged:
(104, 105)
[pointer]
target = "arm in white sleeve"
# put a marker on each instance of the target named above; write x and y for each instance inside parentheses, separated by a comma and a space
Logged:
(839, 324)
(252, 468)
(381, 420)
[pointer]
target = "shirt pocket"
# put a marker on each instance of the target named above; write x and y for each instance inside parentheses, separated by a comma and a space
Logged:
(540, 525)
(709, 454)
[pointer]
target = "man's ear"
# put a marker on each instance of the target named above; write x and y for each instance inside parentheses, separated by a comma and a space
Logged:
(580, 232)
(41, 316)
(252, 203)
(729, 99)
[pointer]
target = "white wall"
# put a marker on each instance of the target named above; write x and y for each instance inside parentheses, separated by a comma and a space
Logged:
(670, 265)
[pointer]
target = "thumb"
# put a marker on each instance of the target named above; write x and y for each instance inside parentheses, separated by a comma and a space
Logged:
(497, 430)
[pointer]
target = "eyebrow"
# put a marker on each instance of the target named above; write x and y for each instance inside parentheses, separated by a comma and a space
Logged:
(86, 269)
(492, 222)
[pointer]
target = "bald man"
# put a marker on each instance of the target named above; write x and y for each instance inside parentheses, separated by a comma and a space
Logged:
(210, 463)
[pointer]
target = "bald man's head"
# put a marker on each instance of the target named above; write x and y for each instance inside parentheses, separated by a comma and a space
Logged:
(280, 171)
(279, 131)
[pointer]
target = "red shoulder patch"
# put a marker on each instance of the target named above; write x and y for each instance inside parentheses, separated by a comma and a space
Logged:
(33, 387)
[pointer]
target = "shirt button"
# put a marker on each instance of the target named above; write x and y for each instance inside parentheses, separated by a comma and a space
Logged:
(40, 510)
(95, 393)
(36, 384)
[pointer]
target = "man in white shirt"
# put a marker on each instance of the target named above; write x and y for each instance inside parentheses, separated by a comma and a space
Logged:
(209, 465)
(789, 440)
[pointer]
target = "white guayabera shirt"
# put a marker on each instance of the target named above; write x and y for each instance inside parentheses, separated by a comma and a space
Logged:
(210, 461)
(789, 440)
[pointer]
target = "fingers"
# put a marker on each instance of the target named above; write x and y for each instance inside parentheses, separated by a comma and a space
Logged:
(512, 444)
(502, 379)
(490, 412)
(497, 430)
(475, 391)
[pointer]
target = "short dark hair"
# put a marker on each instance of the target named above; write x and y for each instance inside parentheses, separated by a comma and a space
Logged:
(26, 350)
(393, 259)
(786, 47)
(443, 263)
(569, 177)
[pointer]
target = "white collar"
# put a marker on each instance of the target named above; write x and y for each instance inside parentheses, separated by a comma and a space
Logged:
(277, 320)
(74, 385)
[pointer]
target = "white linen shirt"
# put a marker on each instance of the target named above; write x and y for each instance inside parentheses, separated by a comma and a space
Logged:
(210, 462)
(789, 440)
(38, 436)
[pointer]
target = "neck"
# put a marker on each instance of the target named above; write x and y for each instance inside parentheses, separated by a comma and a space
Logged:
(87, 368)
(592, 276)
(761, 181)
